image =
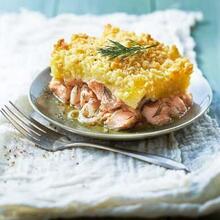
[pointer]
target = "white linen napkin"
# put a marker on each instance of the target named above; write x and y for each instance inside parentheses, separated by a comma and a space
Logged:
(88, 182)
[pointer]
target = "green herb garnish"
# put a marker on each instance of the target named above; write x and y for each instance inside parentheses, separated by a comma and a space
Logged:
(118, 50)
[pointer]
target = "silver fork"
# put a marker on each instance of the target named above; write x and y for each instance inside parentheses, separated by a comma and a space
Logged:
(50, 140)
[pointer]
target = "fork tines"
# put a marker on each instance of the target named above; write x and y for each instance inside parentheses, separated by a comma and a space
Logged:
(25, 125)
(29, 127)
(34, 131)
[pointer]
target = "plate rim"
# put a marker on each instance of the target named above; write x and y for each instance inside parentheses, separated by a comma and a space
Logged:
(122, 137)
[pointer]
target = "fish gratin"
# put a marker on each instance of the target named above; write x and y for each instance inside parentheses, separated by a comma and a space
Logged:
(121, 80)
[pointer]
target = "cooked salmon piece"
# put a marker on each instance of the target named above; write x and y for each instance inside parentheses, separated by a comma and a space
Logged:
(97, 88)
(115, 114)
(187, 99)
(86, 94)
(165, 110)
(80, 95)
(156, 114)
(121, 119)
(90, 108)
(83, 98)
(108, 101)
(61, 91)
(88, 113)
(177, 107)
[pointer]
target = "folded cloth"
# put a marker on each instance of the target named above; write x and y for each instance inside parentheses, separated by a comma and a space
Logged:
(89, 182)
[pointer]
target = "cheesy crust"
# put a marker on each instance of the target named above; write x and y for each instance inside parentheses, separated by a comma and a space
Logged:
(156, 73)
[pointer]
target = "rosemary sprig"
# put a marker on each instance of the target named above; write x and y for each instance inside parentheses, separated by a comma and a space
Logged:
(118, 50)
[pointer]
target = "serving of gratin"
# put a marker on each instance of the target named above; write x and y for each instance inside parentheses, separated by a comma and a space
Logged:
(121, 80)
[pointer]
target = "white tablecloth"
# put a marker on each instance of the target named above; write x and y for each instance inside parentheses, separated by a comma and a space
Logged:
(87, 182)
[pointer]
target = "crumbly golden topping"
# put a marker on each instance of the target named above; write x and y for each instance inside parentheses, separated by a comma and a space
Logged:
(154, 73)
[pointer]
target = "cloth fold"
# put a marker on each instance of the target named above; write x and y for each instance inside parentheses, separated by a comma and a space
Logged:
(89, 182)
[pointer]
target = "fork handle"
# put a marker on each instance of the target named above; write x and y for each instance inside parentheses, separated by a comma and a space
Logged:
(150, 158)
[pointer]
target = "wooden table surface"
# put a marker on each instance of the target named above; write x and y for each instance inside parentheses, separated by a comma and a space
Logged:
(206, 33)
